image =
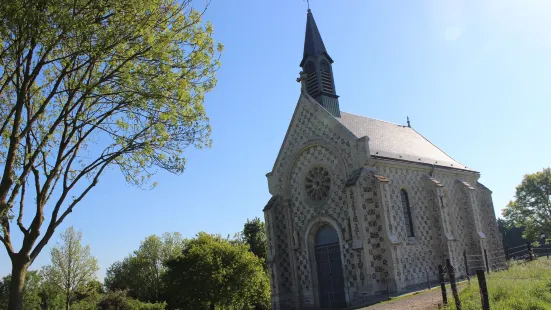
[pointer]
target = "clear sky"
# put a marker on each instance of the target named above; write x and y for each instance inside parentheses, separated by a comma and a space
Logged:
(473, 76)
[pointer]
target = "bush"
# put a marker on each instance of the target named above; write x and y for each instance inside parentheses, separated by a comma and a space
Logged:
(212, 271)
(119, 301)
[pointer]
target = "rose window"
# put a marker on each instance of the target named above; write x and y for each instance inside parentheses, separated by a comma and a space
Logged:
(318, 183)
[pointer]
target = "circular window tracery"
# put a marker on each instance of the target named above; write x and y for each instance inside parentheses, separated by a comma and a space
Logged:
(317, 184)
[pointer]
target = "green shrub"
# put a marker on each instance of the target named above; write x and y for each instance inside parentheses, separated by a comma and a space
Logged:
(119, 301)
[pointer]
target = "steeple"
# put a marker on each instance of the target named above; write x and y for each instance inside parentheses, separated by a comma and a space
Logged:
(317, 65)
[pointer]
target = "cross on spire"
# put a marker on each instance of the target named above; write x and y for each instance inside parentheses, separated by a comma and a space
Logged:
(308, 2)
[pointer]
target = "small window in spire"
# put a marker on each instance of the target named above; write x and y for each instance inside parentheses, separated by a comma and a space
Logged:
(311, 79)
(325, 66)
(326, 78)
(310, 67)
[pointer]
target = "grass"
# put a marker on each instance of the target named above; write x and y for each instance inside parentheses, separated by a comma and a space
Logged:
(525, 286)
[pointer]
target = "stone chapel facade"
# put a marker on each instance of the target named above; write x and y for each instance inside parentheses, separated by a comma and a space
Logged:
(358, 204)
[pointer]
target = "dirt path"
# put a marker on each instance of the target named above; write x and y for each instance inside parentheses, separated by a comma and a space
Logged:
(421, 300)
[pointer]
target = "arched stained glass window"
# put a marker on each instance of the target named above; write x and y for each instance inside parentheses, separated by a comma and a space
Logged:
(407, 213)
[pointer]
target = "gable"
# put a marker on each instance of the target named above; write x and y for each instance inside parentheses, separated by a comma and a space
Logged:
(312, 125)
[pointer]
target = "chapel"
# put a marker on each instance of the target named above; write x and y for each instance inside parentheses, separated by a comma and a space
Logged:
(360, 206)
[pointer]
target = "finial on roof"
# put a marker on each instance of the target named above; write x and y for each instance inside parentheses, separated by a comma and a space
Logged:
(409, 124)
(308, 1)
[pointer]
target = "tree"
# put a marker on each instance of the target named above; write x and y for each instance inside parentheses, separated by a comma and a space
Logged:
(31, 292)
(224, 275)
(531, 207)
(142, 273)
(87, 296)
(512, 235)
(51, 296)
(119, 276)
(87, 85)
(254, 234)
(72, 265)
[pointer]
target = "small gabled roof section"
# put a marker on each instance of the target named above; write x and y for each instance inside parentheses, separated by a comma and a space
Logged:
(355, 176)
(467, 184)
(381, 178)
(484, 187)
(435, 181)
(271, 203)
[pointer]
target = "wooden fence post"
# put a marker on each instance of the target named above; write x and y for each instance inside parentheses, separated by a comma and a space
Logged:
(451, 276)
(487, 263)
(387, 289)
(530, 255)
(428, 279)
(443, 285)
(466, 265)
(483, 289)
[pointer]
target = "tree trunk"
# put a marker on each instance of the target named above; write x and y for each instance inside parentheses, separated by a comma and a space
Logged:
(18, 273)
(67, 301)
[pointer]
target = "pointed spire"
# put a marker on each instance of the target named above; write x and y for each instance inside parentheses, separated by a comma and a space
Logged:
(313, 44)
(317, 73)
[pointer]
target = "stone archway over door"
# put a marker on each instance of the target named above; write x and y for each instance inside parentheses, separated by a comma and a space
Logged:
(329, 269)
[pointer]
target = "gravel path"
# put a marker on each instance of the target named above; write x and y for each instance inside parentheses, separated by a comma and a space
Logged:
(422, 300)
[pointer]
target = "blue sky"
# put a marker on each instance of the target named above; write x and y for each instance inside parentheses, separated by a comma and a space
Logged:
(473, 76)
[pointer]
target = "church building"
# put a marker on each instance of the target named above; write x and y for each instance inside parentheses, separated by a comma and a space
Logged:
(360, 206)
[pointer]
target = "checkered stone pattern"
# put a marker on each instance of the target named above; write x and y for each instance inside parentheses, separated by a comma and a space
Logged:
(494, 244)
(350, 266)
(371, 213)
(304, 269)
(471, 243)
(439, 239)
(462, 222)
(351, 263)
(421, 252)
(355, 214)
(312, 122)
(282, 257)
(304, 210)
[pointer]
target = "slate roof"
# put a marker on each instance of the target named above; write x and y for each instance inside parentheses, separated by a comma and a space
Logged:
(399, 142)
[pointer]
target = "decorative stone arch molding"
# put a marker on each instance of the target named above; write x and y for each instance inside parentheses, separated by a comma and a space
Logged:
(312, 227)
(299, 151)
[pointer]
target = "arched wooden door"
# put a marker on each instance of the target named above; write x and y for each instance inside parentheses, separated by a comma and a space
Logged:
(329, 267)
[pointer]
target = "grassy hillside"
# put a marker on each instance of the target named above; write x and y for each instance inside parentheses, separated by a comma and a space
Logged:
(525, 286)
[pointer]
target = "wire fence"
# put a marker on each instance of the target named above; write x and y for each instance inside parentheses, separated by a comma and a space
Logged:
(483, 263)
